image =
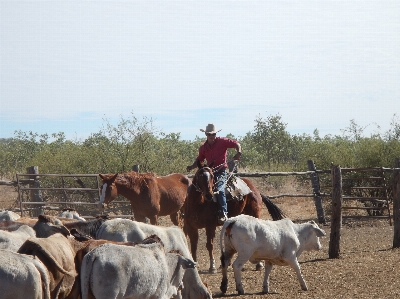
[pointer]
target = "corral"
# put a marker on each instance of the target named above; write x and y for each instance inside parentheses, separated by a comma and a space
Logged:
(367, 266)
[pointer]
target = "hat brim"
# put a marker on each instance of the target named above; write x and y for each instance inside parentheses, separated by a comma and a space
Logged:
(210, 132)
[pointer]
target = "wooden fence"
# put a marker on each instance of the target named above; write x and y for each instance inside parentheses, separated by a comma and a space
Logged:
(338, 175)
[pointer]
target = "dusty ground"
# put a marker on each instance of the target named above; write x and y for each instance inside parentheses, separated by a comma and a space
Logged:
(367, 267)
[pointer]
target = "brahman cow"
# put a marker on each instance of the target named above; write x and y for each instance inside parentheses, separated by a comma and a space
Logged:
(112, 271)
(71, 214)
(89, 227)
(43, 224)
(173, 238)
(22, 277)
(87, 244)
(14, 239)
(276, 242)
(8, 215)
(17, 233)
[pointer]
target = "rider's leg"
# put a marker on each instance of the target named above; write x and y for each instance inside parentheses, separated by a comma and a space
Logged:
(219, 186)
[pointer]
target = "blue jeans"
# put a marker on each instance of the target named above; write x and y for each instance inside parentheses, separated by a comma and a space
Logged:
(220, 179)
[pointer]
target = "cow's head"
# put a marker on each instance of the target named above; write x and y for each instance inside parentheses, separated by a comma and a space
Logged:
(315, 233)
(49, 225)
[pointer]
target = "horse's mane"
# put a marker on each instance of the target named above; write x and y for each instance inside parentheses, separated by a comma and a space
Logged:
(133, 178)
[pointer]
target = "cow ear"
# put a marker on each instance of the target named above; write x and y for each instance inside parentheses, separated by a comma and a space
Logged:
(101, 176)
(319, 232)
(114, 177)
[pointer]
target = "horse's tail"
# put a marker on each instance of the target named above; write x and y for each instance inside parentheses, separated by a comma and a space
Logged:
(275, 212)
(225, 232)
(221, 245)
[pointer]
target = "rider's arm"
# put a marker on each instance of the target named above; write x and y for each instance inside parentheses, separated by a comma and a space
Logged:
(193, 166)
(239, 152)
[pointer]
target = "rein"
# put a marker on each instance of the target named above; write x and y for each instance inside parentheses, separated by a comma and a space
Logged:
(198, 189)
(215, 169)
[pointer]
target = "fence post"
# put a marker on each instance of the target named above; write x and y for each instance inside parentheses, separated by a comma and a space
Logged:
(336, 219)
(396, 204)
(317, 192)
(136, 168)
(36, 195)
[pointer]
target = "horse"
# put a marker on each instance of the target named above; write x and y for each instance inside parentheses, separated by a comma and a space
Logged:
(150, 196)
(201, 210)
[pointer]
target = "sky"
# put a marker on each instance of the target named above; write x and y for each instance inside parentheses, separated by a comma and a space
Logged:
(67, 66)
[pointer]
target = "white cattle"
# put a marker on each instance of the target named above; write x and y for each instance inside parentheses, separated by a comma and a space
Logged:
(173, 238)
(13, 240)
(8, 215)
(71, 214)
(276, 242)
(143, 271)
(22, 277)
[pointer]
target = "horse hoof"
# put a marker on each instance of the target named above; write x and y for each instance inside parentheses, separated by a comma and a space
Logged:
(259, 267)
(240, 292)
(212, 270)
(223, 288)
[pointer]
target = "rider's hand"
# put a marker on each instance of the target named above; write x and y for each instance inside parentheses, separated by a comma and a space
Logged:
(237, 156)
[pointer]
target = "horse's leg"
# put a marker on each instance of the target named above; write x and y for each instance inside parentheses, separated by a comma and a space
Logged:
(210, 233)
(175, 218)
(193, 234)
(140, 218)
(153, 220)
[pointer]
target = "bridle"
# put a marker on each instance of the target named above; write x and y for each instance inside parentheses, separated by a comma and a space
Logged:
(198, 189)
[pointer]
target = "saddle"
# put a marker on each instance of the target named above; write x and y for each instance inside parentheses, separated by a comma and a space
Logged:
(235, 189)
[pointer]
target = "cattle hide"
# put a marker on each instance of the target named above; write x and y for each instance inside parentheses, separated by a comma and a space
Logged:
(57, 254)
(8, 215)
(22, 277)
(112, 271)
(13, 240)
(89, 227)
(71, 214)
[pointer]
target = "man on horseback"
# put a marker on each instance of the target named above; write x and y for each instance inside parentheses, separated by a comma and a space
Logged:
(215, 150)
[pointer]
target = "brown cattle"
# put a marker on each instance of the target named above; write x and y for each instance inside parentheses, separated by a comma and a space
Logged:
(57, 253)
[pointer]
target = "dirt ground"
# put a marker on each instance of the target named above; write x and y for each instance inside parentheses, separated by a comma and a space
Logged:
(368, 267)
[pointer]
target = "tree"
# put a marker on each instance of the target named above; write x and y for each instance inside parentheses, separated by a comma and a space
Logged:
(272, 140)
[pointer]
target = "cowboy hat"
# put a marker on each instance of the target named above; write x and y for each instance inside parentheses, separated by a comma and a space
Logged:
(210, 129)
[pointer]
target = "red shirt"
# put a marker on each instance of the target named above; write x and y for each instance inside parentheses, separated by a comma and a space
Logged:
(217, 152)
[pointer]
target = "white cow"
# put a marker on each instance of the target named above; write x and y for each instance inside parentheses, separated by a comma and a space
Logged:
(22, 277)
(8, 215)
(173, 238)
(71, 214)
(143, 271)
(276, 242)
(14, 239)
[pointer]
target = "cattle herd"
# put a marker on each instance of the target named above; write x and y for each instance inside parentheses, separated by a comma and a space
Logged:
(69, 257)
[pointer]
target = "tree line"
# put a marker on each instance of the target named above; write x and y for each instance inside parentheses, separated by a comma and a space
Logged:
(268, 147)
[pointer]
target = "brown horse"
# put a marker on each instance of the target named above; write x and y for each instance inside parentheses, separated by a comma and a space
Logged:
(150, 196)
(201, 210)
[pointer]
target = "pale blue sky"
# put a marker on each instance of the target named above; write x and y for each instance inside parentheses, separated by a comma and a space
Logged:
(67, 65)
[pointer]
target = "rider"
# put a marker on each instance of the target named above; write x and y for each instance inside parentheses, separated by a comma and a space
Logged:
(214, 150)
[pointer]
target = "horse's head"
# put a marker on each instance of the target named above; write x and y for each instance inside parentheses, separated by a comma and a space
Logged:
(108, 189)
(203, 180)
